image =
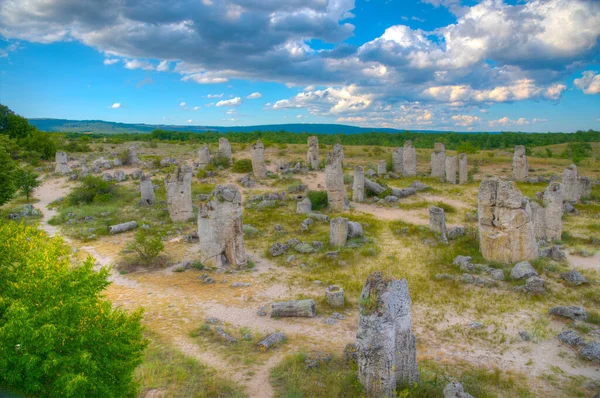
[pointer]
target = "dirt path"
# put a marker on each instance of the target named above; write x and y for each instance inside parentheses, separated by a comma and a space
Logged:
(47, 193)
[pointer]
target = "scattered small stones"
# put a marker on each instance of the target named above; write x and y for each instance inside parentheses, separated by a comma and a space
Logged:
(241, 284)
(455, 390)
(214, 321)
(289, 259)
(277, 249)
(524, 335)
(464, 262)
(440, 277)
(478, 280)
(316, 358)
(522, 270)
(571, 312)
(574, 278)
(534, 285)
(553, 253)
(318, 245)
(224, 335)
(262, 311)
(332, 254)
(570, 337)
(304, 248)
(476, 325)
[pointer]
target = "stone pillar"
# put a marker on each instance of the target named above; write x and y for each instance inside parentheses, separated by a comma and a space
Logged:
(258, 160)
(506, 230)
(132, 157)
(225, 149)
(386, 346)
(220, 229)
(334, 180)
(463, 168)
(179, 194)
(334, 296)
(312, 155)
(147, 191)
(398, 161)
(451, 169)
(437, 223)
(570, 184)
(338, 232)
(585, 187)
(520, 165)
(84, 171)
(409, 160)
(304, 206)
(203, 157)
(381, 167)
(358, 186)
(62, 166)
(438, 161)
(548, 218)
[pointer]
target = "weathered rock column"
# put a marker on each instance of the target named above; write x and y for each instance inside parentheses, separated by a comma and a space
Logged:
(520, 165)
(220, 228)
(225, 149)
(84, 171)
(398, 161)
(437, 223)
(451, 169)
(338, 232)
(585, 187)
(334, 295)
(570, 184)
(258, 160)
(132, 157)
(203, 157)
(147, 191)
(179, 194)
(506, 229)
(548, 219)
(386, 346)
(438, 161)
(381, 167)
(463, 168)
(409, 160)
(312, 155)
(334, 180)
(358, 186)
(62, 166)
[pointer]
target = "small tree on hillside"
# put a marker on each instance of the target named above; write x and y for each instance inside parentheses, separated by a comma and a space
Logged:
(27, 181)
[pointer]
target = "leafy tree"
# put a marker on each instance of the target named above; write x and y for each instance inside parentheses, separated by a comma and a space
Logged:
(13, 125)
(8, 169)
(40, 142)
(577, 151)
(59, 335)
(467, 147)
(27, 181)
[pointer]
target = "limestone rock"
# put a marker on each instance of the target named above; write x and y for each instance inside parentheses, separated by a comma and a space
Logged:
(312, 155)
(334, 180)
(62, 166)
(463, 168)
(522, 270)
(455, 232)
(570, 184)
(464, 262)
(168, 161)
(455, 390)
(132, 157)
(398, 161)
(203, 157)
(451, 169)
(585, 187)
(381, 168)
(418, 185)
(403, 192)
(334, 296)
(520, 164)
(409, 160)
(534, 285)
(591, 352)
(572, 312)
(570, 337)
(358, 186)
(437, 223)
(373, 186)
(117, 229)
(304, 206)
(178, 186)
(258, 160)
(574, 278)
(338, 232)
(355, 230)
(225, 149)
(298, 308)
(547, 219)
(277, 249)
(438, 161)
(119, 176)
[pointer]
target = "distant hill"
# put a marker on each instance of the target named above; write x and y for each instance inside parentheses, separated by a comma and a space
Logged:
(104, 127)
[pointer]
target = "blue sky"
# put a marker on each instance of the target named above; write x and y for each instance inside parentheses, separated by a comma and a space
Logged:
(409, 64)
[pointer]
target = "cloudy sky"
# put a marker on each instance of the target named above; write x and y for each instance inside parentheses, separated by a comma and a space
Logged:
(459, 65)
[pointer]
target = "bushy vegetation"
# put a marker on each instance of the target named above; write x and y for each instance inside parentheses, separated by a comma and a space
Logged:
(146, 246)
(59, 337)
(92, 189)
(27, 181)
(242, 166)
(318, 199)
(8, 172)
(221, 161)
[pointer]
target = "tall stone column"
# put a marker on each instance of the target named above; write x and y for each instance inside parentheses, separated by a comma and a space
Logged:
(225, 149)
(520, 164)
(398, 161)
(338, 232)
(409, 159)
(463, 168)
(147, 191)
(381, 167)
(548, 218)
(179, 194)
(451, 169)
(358, 186)
(312, 155)
(62, 166)
(220, 229)
(334, 180)
(438, 161)
(258, 160)
(570, 184)
(437, 223)
(203, 157)
(132, 157)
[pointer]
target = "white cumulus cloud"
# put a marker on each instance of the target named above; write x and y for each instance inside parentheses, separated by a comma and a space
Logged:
(231, 102)
(116, 105)
(589, 82)
(254, 95)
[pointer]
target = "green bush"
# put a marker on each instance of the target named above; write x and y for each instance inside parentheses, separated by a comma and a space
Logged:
(39, 142)
(467, 147)
(242, 166)
(220, 160)
(8, 171)
(146, 247)
(59, 335)
(318, 199)
(92, 190)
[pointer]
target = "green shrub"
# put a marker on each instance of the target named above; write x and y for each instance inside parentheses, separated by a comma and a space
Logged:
(220, 160)
(8, 171)
(92, 190)
(242, 166)
(147, 247)
(318, 199)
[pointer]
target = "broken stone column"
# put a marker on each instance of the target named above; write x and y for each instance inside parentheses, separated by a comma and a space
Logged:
(84, 171)
(506, 229)
(358, 186)
(463, 168)
(570, 184)
(225, 149)
(381, 167)
(438, 161)
(547, 219)
(437, 223)
(451, 169)
(117, 229)
(62, 166)
(258, 160)
(147, 191)
(132, 157)
(338, 232)
(203, 157)
(220, 228)
(334, 180)
(520, 165)
(334, 295)
(386, 346)
(312, 155)
(398, 161)
(304, 206)
(179, 194)
(409, 160)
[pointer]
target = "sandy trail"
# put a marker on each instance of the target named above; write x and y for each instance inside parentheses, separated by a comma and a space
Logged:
(579, 262)
(47, 193)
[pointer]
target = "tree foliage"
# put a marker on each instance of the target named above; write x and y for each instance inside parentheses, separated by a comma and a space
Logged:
(27, 181)
(59, 336)
(146, 246)
(8, 171)
(92, 189)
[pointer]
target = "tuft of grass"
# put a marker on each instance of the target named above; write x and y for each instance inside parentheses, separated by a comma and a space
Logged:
(242, 166)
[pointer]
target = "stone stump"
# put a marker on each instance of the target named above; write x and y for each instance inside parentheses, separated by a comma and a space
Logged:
(338, 232)
(334, 180)
(547, 219)
(62, 166)
(147, 192)
(463, 168)
(398, 161)
(386, 345)
(220, 229)
(520, 165)
(334, 296)
(409, 160)
(570, 184)
(437, 223)
(438, 161)
(225, 149)
(506, 229)
(312, 155)
(258, 160)
(381, 167)
(179, 194)
(84, 171)
(132, 157)
(203, 157)
(358, 186)
(451, 169)
(304, 206)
